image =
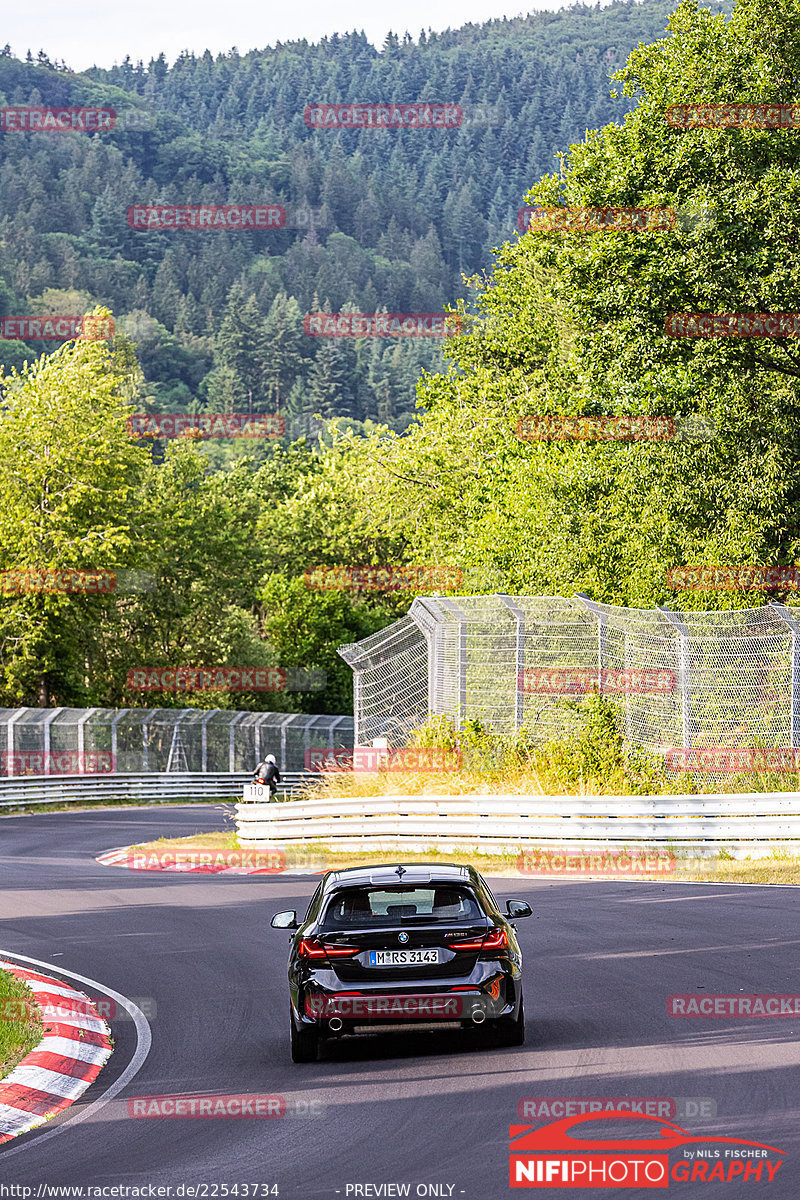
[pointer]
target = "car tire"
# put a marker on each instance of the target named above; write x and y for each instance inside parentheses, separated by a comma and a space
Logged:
(514, 1031)
(304, 1043)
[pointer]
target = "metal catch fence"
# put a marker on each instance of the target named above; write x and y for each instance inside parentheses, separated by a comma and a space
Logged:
(101, 741)
(716, 693)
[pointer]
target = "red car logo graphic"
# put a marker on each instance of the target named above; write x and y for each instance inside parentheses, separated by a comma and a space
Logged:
(556, 1136)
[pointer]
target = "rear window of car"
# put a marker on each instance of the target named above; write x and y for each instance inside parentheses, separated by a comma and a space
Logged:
(390, 905)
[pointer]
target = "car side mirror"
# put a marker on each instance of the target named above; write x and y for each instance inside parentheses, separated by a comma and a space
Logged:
(518, 908)
(285, 920)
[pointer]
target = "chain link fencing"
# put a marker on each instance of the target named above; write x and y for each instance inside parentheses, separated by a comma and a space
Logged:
(100, 741)
(710, 692)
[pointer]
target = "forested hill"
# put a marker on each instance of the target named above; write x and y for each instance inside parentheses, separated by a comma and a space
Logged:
(398, 215)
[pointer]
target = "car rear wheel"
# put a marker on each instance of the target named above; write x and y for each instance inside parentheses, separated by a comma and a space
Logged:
(514, 1031)
(305, 1043)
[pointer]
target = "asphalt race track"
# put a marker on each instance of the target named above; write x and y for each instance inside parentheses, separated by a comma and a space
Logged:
(601, 960)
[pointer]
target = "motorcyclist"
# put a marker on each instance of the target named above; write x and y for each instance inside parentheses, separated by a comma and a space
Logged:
(267, 772)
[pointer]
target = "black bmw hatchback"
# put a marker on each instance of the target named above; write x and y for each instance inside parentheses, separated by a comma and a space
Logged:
(403, 948)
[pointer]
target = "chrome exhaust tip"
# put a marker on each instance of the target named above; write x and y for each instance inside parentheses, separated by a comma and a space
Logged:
(478, 1015)
(335, 1024)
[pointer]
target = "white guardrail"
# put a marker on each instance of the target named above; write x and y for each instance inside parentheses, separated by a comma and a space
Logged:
(753, 823)
(148, 788)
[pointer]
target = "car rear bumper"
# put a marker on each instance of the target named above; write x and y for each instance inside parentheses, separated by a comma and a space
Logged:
(339, 1013)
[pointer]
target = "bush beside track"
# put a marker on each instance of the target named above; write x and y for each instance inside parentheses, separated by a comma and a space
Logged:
(596, 760)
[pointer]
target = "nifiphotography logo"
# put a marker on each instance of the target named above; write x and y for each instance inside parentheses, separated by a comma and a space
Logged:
(552, 1156)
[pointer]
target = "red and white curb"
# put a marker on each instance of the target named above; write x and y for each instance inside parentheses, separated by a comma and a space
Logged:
(68, 1058)
(204, 862)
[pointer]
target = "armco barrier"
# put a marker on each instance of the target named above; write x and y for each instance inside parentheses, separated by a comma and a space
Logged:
(149, 788)
(754, 823)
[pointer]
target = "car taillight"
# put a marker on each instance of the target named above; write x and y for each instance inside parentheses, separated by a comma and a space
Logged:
(470, 945)
(495, 939)
(311, 947)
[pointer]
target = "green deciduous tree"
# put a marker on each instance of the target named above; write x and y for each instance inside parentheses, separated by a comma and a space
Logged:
(68, 474)
(196, 538)
(574, 323)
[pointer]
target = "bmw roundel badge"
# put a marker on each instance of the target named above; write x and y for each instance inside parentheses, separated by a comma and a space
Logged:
(402, 937)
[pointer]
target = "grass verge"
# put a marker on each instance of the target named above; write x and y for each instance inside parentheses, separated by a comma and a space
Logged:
(777, 869)
(21, 1026)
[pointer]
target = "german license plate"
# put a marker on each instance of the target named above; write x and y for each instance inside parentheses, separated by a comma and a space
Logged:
(403, 958)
